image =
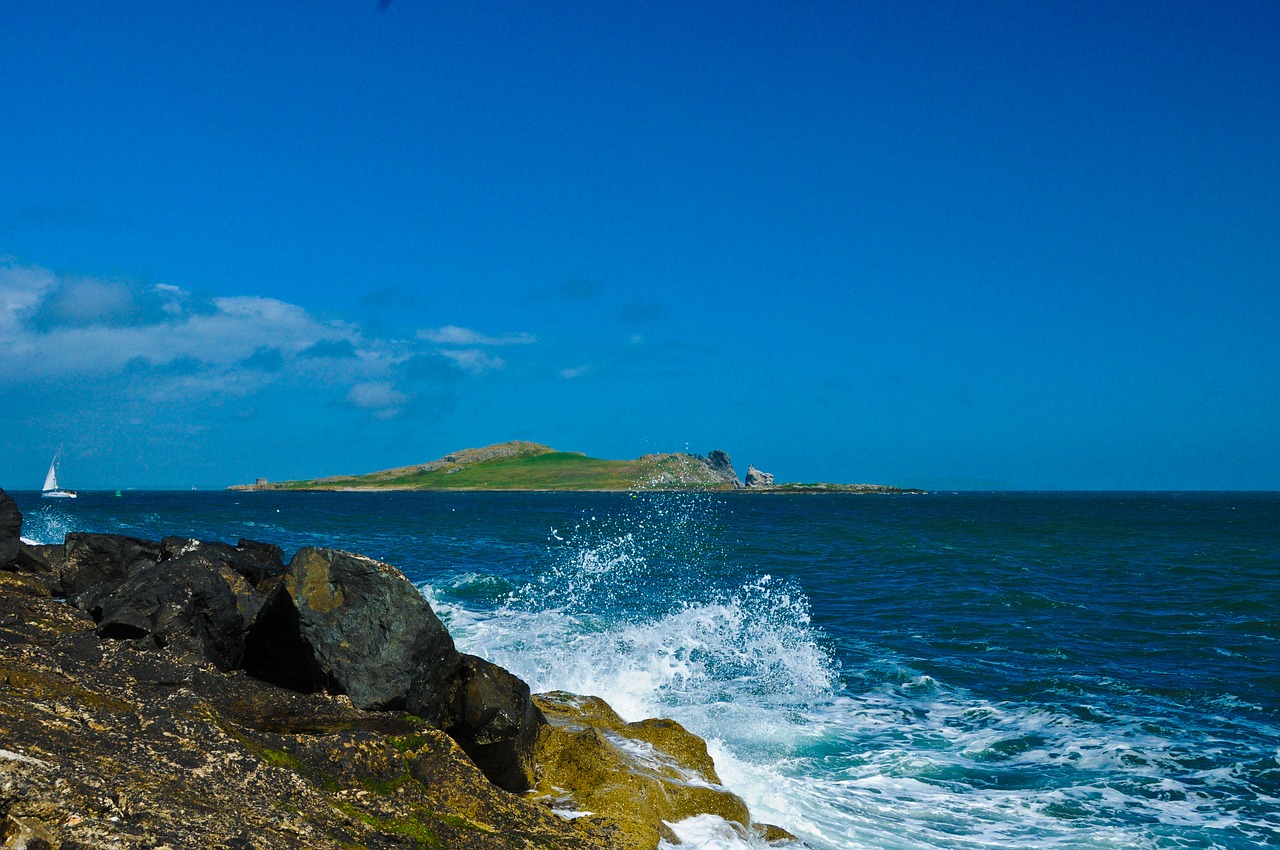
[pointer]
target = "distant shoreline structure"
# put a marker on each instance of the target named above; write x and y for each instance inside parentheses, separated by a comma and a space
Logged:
(523, 466)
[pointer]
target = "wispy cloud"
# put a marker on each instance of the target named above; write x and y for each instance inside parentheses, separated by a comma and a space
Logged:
(168, 343)
(574, 372)
(473, 360)
(379, 398)
(454, 335)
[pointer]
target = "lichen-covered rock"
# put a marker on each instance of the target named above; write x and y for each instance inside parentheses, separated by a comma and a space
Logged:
(10, 530)
(496, 722)
(641, 775)
(364, 630)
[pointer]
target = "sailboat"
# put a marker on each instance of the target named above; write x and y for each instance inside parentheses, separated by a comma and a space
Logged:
(51, 490)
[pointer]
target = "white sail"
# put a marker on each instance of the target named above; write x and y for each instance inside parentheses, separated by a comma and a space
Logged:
(51, 490)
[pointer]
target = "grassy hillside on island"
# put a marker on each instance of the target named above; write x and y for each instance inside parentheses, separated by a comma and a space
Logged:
(522, 465)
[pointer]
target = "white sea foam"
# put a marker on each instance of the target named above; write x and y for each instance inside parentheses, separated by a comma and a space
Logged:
(709, 832)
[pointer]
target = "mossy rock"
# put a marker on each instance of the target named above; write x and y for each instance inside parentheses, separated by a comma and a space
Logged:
(641, 775)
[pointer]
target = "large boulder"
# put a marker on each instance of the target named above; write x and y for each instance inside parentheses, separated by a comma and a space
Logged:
(496, 723)
(95, 564)
(757, 479)
(196, 604)
(10, 530)
(350, 624)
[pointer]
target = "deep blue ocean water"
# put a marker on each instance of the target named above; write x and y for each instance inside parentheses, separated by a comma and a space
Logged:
(958, 670)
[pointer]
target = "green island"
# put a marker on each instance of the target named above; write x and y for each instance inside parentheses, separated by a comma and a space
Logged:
(528, 466)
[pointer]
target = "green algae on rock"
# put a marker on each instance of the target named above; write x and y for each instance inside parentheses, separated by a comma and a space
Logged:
(642, 775)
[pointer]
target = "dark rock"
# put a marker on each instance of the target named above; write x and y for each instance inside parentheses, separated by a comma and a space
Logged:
(723, 467)
(96, 563)
(269, 555)
(251, 559)
(44, 558)
(10, 530)
(194, 604)
(364, 630)
(275, 650)
(756, 478)
(496, 723)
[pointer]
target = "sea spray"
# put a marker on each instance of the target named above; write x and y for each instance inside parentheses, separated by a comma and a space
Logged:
(637, 608)
(48, 523)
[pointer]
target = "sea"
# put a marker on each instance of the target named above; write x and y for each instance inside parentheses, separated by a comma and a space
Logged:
(951, 670)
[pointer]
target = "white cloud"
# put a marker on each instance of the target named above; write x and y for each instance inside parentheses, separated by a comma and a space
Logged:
(574, 372)
(473, 360)
(454, 335)
(378, 397)
(83, 332)
(170, 346)
(171, 298)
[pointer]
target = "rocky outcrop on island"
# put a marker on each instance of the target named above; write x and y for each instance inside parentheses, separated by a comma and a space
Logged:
(720, 465)
(757, 479)
(188, 693)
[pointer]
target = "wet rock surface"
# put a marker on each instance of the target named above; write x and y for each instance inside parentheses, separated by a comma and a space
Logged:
(644, 775)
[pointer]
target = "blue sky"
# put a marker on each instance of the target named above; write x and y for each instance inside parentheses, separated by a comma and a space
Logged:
(1022, 245)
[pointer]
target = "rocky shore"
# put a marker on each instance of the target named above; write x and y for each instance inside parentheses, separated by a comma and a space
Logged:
(183, 693)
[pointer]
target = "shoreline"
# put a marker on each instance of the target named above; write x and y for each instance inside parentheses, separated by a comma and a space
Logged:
(186, 692)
